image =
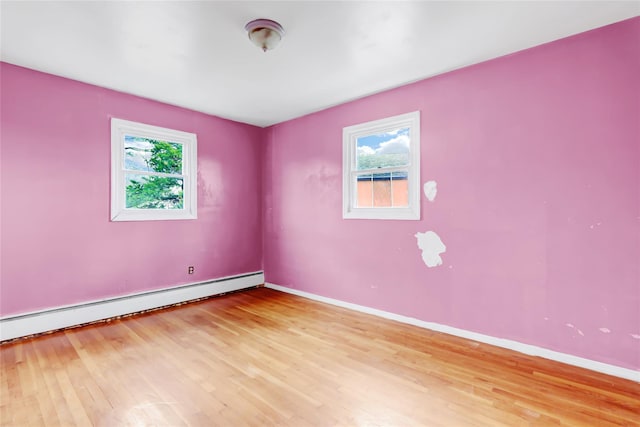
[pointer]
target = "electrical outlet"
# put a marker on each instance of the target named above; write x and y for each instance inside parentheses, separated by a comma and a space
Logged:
(191, 269)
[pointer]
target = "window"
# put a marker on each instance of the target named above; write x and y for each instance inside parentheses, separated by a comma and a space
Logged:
(153, 172)
(381, 168)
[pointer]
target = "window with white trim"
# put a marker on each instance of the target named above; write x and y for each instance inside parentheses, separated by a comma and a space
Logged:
(153, 172)
(381, 168)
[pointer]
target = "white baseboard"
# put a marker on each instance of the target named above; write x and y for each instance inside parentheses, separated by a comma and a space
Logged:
(532, 350)
(25, 324)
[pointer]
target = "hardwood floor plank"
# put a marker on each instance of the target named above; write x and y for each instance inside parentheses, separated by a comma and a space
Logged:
(261, 357)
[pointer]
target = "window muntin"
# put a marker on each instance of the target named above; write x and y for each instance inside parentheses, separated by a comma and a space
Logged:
(153, 172)
(381, 168)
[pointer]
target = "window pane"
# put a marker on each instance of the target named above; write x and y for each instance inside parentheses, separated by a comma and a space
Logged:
(154, 192)
(383, 150)
(364, 191)
(400, 189)
(381, 190)
(150, 155)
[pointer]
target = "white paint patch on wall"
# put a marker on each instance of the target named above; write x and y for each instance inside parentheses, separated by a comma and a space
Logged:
(636, 336)
(569, 325)
(605, 330)
(430, 190)
(431, 246)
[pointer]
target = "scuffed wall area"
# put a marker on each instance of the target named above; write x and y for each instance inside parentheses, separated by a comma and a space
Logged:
(536, 158)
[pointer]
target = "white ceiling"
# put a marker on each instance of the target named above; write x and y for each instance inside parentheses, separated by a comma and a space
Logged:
(197, 54)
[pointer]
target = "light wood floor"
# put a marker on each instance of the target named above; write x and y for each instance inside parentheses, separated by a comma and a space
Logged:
(262, 358)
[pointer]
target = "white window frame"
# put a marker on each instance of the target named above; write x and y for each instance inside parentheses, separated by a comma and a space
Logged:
(119, 211)
(350, 137)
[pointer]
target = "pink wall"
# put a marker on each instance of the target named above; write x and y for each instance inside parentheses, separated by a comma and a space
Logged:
(58, 245)
(536, 156)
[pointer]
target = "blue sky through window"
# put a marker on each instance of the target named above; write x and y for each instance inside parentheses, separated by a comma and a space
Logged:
(387, 149)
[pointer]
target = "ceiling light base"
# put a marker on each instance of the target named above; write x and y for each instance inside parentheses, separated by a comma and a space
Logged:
(265, 33)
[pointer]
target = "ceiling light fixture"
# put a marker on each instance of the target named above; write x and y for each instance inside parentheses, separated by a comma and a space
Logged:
(265, 33)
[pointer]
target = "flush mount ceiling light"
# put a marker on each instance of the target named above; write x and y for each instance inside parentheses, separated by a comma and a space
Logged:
(265, 33)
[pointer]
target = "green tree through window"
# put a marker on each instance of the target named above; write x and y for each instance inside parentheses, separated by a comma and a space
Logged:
(160, 190)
